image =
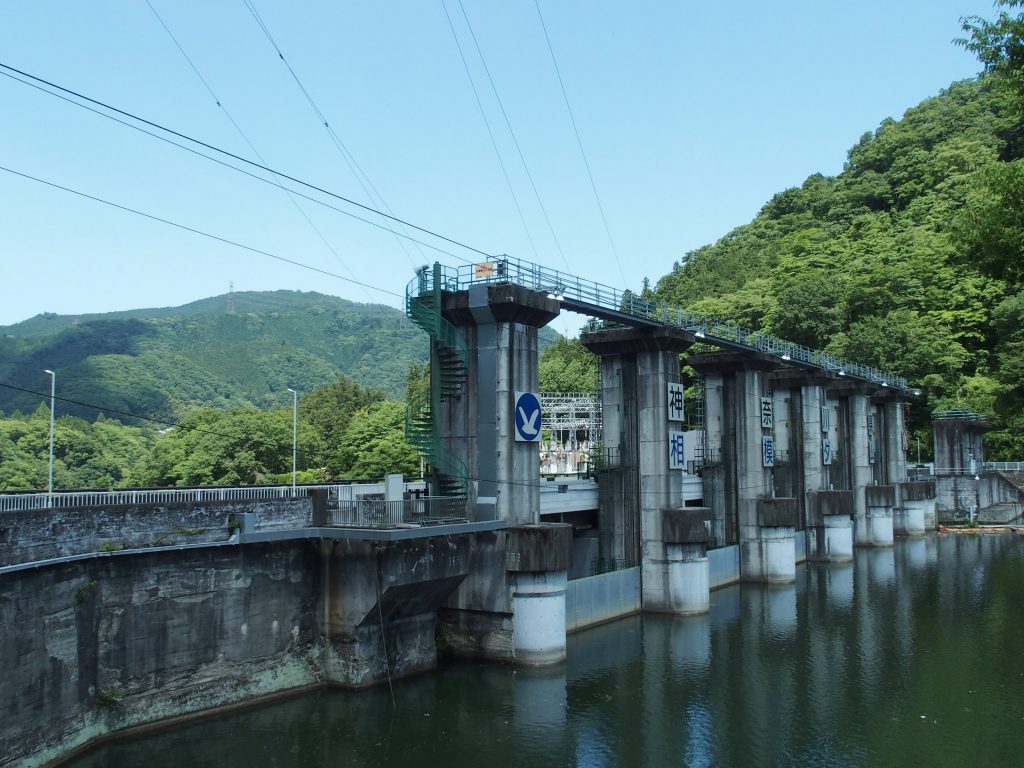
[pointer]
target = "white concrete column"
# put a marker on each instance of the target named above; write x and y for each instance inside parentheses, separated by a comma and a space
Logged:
(838, 538)
(688, 578)
(912, 518)
(538, 617)
(778, 552)
(880, 526)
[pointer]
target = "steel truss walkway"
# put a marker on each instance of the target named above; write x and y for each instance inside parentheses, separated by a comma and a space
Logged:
(625, 308)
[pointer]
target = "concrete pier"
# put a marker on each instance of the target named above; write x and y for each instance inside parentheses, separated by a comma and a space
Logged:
(538, 559)
(830, 526)
(880, 501)
(772, 558)
(915, 500)
(636, 367)
(687, 579)
(500, 324)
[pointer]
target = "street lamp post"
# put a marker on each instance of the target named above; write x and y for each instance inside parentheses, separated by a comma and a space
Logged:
(295, 431)
(53, 392)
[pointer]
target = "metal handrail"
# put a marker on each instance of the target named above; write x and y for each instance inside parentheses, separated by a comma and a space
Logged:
(597, 299)
(379, 513)
(20, 502)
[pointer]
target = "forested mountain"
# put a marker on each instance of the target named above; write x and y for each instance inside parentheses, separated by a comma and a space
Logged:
(164, 362)
(888, 263)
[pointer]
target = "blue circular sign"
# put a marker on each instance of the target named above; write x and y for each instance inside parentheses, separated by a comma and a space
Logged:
(528, 417)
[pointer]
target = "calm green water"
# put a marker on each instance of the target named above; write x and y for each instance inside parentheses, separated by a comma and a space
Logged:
(912, 656)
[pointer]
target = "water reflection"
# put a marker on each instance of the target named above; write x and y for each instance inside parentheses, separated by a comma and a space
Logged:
(908, 656)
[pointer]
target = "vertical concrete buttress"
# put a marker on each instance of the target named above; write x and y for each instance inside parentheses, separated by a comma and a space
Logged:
(500, 325)
(860, 466)
(636, 366)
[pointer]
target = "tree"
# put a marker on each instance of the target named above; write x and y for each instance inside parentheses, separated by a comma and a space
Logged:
(999, 44)
(242, 447)
(98, 455)
(373, 444)
(327, 410)
(990, 229)
(567, 366)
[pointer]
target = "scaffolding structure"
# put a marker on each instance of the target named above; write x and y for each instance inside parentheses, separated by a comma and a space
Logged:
(571, 430)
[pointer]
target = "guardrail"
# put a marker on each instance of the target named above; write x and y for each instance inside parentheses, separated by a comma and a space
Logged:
(340, 492)
(378, 513)
(1004, 466)
(602, 300)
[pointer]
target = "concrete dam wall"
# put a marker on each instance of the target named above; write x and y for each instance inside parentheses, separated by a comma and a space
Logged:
(103, 644)
(116, 619)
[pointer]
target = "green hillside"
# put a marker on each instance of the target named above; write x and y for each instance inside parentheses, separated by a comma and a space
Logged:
(164, 362)
(884, 263)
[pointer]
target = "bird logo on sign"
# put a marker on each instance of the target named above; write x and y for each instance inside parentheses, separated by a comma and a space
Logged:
(528, 418)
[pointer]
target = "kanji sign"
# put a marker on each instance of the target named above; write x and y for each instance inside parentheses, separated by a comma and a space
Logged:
(675, 402)
(676, 450)
(826, 452)
(767, 414)
(768, 451)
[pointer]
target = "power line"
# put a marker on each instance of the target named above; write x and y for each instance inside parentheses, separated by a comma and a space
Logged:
(103, 409)
(490, 133)
(195, 231)
(225, 164)
(241, 159)
(339, 145)
(512, 133)
(246, 139)
(579, 143)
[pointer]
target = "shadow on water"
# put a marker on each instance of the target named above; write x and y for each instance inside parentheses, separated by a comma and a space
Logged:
(909, 656)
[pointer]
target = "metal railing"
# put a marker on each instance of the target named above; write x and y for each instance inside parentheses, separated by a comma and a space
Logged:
(1004, 466)
(378, 513)
(340, 492)
(624, 306)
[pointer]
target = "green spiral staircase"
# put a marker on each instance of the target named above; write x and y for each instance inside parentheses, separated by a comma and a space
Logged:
(449, 361)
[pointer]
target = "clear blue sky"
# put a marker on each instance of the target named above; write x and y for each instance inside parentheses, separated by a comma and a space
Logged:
(692, 116)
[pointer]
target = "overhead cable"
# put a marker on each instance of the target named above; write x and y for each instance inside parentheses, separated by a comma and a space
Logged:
(239, 158)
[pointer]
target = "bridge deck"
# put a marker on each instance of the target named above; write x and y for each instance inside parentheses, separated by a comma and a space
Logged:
(624, 307)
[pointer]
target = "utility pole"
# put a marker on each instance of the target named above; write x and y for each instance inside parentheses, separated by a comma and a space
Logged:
(295, 431)
(53, 392)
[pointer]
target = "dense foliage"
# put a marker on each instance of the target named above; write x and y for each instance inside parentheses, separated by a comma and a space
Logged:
(343, 431)
(86, 455)
(567, 367)
(163, 363)
(910, 259)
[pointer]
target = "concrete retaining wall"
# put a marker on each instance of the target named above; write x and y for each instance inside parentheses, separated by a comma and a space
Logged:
(108, 643)
(597, 599)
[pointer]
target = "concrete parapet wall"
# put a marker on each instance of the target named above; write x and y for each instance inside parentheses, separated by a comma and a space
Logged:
(605, 597)
(822, 504)
(35, 535)
(778, 513)
(723, 566)
(880, 495)
(685, 526)
(539, 548)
